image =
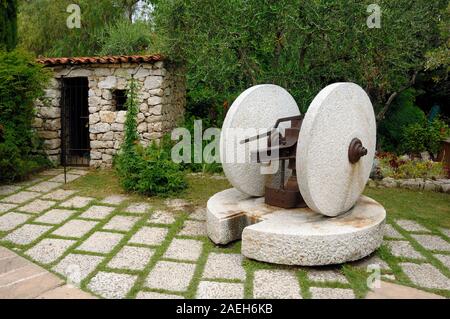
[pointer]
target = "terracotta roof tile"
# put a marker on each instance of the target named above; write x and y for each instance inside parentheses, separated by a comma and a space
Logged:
(101, 60)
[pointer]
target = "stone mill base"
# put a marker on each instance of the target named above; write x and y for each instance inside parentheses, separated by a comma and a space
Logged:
(295, 236)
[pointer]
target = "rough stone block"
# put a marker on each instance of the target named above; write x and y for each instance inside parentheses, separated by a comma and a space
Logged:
(184, 249)
(224, 266)
(112, 285)
(276, 284)
(134, 258)
(171, 276)
(26, 234)
(220, 290)
(101, 242)
(48, 250)
(149, 236)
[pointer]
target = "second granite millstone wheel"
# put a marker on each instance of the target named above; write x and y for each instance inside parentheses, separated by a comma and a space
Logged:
(336, 148)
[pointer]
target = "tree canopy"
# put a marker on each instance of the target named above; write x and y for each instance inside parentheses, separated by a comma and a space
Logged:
(106, 27)
(300, 45)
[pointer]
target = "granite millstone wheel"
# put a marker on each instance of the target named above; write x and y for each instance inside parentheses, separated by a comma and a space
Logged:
(336, 148)
(255, 109)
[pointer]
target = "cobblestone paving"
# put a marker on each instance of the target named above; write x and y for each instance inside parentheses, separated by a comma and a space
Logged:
(115, 247)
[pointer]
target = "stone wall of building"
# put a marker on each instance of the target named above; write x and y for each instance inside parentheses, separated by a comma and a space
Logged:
(161, 98)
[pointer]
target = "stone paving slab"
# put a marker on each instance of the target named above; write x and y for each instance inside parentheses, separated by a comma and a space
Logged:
(156, 295)
(220, 290)
(432, 242)
(331, 293)
(445, 259)
(27, 282)
(446, 232)
(44, 187)
(411, 225)
(6, 207)
(171, 276)
(390, 232)
(389, 290)
(48, 250)
(121, 223)
(193, 228)
(149, 236)
(426, 275)
(60, 194)
(77, 267)
(97, 212)
(26, 234)
(8, 189)
(162, 217)
(138, 208)
(75, 228)
(134, 258)
(30, 182)
(52, 172)
(402, 248)
(101, 242)
(114, 199)
(199, 214)
(21, 197)
(60, 178)
(19, 278)
(276, 284)
(77, 202)
(326, 275)
(177, 204)
(37, 206)
(224, 266)
(11, 263)
(9, 221)
(184, 249)
(112, 285)
(55, 216)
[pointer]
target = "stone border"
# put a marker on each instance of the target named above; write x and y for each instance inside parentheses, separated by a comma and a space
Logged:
(439, 185)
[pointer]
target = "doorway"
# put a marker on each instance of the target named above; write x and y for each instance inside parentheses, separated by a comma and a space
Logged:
(75, 142)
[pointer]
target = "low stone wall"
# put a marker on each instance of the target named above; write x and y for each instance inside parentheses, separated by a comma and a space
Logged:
(161, 106)
(439, 185)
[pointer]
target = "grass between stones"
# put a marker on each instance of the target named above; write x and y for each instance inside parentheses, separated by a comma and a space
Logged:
(429, 209)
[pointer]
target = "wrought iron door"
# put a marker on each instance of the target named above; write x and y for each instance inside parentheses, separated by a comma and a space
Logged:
(75, 142)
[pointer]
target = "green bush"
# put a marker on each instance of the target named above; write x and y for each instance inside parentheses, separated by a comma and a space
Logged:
(399, 168)
(424, 136)
(403, 113)
(147, 171)
(203, 167)
(22, 81)
(125, 37)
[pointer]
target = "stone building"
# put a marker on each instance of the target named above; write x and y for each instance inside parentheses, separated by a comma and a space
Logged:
(81, 119)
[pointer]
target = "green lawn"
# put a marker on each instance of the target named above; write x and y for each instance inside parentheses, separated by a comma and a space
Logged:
(429, 208)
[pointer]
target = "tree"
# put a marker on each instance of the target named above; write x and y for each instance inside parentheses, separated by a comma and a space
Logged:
(8, 24)
(300, 45)
(47, 33)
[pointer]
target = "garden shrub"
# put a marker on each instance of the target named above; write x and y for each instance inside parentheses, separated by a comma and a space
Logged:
(403, 113)
(22, 81)
(125, 37)
(203, 167)
(147, 171)
(396, 167)
(425, 136)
